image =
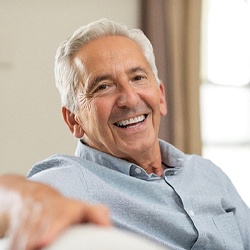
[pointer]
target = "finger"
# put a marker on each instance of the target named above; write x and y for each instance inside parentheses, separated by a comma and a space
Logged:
(77, 212)
(98, 214)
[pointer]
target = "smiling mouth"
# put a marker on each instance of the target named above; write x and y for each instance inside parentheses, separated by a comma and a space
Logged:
(131, 122)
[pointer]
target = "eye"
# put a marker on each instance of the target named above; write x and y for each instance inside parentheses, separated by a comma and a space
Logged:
(138, 78)
(102, 87)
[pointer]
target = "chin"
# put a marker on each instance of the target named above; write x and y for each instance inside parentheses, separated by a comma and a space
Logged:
(139, 147)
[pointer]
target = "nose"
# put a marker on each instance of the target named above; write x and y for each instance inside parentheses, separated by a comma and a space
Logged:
(127, 97)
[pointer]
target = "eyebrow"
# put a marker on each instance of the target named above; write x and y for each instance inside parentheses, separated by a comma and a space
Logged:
(100, 78)
(93, 82)
(137, 69)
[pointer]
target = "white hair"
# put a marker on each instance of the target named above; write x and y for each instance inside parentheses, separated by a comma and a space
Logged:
(68, 72)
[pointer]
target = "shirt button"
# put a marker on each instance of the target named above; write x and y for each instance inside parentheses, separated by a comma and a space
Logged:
(191, 213)
(138, 170)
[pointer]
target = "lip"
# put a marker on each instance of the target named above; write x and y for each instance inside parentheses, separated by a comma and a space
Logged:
(131, 123)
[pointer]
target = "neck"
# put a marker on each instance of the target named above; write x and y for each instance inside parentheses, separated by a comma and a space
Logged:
(150, 161)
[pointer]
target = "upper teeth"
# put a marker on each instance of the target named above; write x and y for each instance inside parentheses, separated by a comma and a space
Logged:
(131, 120)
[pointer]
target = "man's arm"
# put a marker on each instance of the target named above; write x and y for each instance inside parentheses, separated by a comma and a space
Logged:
(33, 214)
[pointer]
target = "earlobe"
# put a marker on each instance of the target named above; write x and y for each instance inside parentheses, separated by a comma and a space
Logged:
(72, 122)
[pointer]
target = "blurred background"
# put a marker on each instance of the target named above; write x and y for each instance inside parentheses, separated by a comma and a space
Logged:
(202, 52)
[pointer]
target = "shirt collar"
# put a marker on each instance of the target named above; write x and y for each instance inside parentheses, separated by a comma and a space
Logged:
(172, 160)
(101, 158)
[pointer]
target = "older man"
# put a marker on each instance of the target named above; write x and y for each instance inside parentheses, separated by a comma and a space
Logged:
(112, 101)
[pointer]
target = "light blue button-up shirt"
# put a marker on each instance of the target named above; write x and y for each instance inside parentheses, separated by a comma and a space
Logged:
(192, 206)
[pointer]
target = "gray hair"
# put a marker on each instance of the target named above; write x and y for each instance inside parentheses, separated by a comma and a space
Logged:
(68, 72)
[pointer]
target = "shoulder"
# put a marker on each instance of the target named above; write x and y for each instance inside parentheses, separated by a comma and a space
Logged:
(205, 172)
(201, 165)
(67, 174)
(57, 161)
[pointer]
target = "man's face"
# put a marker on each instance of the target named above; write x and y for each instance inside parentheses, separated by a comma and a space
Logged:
(120, 103)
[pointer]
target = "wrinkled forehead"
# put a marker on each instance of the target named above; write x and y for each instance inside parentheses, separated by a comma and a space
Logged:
(109, 53)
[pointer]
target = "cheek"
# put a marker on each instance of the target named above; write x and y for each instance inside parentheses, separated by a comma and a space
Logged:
(101, 111)
(153, 99)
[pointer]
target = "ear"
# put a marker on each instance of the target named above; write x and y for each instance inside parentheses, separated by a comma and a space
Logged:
(73, 124)
(163, 104)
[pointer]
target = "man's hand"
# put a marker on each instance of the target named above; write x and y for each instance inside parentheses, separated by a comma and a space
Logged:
(33, 214)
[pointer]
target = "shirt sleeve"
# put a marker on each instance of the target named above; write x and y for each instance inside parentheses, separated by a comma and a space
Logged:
(242, 214)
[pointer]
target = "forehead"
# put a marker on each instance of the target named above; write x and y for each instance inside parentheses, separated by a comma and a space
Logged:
(109, 52)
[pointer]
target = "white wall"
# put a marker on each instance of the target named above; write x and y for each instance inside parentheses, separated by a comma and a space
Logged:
(30, 112)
